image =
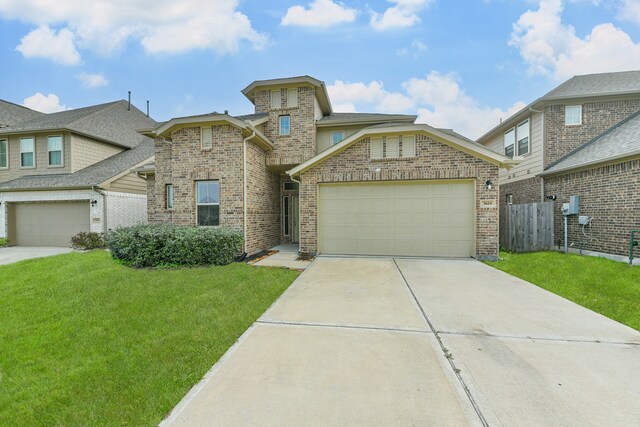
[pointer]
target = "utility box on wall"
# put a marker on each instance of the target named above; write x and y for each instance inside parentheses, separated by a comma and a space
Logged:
(573, 207)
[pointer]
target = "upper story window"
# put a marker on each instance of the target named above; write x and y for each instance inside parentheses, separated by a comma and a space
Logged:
(573, 115)
(285, 125)
(292, 98)
(337, 136)
(169, 196)
(208, 203)
(392, 147)
(276, 99)
(54, 148)
(4, 154)
(27, 152)
(509, 142)
(206, 138)
(522, 133)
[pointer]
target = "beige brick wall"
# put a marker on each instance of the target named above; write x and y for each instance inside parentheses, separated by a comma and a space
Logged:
(434, 160)
(86, 151)
(41, 156)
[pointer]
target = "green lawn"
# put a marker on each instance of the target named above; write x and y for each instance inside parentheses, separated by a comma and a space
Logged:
(86, 341)
(608, 287)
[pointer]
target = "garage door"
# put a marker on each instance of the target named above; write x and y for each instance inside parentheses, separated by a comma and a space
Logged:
(414, 218)
(49, 224)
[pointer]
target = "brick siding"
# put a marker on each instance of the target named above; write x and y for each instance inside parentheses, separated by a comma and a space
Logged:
(524, 191)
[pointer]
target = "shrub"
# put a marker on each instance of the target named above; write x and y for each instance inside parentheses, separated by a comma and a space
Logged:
(87, 241)
(3, 242)
(170, 245)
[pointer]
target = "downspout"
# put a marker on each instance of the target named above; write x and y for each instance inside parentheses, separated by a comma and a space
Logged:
(244, 189)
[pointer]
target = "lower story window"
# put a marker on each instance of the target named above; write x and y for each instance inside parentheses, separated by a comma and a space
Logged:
(509, 199)
(208, 203)
(169, 195)
(285, 210)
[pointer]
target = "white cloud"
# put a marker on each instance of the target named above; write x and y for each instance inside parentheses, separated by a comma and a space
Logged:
(416, 47)
(321, 13)
(403, 14)
(92, 80)
(161, 26)
(438, 99)
(630, 11)
(43, 42)
(44, 104)
(550, 47)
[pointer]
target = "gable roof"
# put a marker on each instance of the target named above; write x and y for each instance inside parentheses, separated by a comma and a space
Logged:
(12, 114)
(111, 122)
(322, 95)
(623, 83)
(618, 142)
(444, 137)
(91, 176)
(336, 119)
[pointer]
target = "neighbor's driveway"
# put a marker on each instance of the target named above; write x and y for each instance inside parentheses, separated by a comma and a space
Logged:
(20, 253)
(378, 341)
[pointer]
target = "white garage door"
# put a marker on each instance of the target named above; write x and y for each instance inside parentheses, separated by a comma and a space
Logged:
(413, 218)
(49, 224)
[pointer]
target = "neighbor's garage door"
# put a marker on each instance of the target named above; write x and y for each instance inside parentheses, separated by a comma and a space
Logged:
(50, 224)
(414, 218)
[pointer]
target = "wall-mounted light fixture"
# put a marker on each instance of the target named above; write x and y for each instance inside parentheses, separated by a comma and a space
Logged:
(489, 184)
(552, 197)
(94, 203)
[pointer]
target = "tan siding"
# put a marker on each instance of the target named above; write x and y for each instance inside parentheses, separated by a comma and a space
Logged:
(129, 183)
(86, 151)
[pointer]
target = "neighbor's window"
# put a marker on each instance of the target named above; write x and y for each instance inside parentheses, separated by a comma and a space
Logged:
(276, 99)
(54, 146)
(337, 136)
(4, 154)
(285, 125)
(522, 134)
(509, 142)
(208, 203)
(509, 199)
(206, 138)
(573, 115)
(169, 195)
(27, 151)
(292, 98)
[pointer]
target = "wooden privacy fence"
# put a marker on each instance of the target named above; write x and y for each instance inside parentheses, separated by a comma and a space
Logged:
(527, 228)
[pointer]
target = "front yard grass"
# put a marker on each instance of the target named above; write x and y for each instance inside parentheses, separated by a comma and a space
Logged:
(86, 341)
(608, 287)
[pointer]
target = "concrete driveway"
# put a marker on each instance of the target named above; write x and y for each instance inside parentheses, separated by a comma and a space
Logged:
(380, 341)
(20, 253)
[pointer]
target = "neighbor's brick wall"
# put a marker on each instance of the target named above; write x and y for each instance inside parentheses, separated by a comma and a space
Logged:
(300, 145)
(434, 161)
(86, 151)
(41, 156)
(597, 117)
(524, 191)
(608, 194)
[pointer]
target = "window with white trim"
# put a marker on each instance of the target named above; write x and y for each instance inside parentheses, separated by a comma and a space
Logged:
(292, 98)
(337, 136)
(375, 148)
(4, 154)
(206, 138)
(392, 147)
(408, 146)
(54, 149)
(27, 152)
(573, 115)
(207, 203)
(276, 99)
(510, 142)
(522, 134)
(285, 125)
(169, 196)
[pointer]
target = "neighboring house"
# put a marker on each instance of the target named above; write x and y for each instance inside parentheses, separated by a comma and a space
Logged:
(336, 183)
(68, 172)
(582, 138)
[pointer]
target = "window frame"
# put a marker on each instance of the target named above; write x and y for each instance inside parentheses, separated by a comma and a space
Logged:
(168, 196)
(579, 108)
(206, 204)
(335, 132)
(284, 186)
(6, 150)
(276, 94)
(202, 131)
(280, 128)
(403, 153)
(513, 143)
(286, 232)
(293, 91)
(509, 199)
(516, 148)
(33, 152)
(49, 151)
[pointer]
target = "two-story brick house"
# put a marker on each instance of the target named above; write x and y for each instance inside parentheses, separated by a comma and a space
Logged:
(582, 138)
(336, 183)
(68, 172)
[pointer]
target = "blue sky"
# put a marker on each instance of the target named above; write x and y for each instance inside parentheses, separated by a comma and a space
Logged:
(459, 64)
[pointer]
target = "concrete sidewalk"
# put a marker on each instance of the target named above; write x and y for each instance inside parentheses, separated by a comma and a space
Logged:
(378, 341)
(20, 253)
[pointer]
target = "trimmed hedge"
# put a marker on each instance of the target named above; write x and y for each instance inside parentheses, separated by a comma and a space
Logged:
(87, 241)
(163, 245)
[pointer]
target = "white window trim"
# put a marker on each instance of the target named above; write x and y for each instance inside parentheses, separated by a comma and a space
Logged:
(167, 199)
(565, 115)
(343, 132)
(207, 204)
(6, 142)
(280, 117)
(516, 148)
(61, 165)
(515, 140)
(35, 162)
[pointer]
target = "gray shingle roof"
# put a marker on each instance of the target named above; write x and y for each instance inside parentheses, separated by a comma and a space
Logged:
(111, 122)
(251, 117)
(12, 114)
(619, 141)
(597, 85)
(341, 118)
(89, 176)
